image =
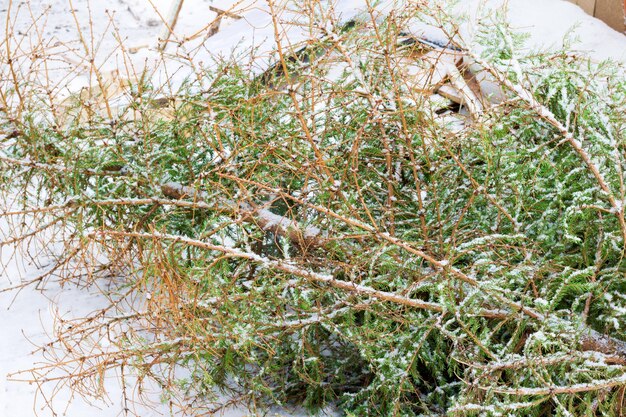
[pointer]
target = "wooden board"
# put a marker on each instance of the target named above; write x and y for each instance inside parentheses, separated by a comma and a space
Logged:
(587, 5)
(612, 13)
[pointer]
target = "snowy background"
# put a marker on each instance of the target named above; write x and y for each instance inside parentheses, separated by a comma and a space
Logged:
(26, 316)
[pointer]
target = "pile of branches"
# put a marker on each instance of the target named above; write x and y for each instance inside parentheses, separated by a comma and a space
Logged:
(329, 233)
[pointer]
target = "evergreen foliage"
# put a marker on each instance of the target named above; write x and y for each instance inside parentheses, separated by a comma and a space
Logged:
(323, 236)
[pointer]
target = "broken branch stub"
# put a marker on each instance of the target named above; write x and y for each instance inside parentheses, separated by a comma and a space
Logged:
(307, 237)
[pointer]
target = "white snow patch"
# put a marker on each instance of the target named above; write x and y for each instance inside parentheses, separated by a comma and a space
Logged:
(548, 22)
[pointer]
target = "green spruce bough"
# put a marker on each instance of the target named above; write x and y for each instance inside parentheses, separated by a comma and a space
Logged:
(321, 236)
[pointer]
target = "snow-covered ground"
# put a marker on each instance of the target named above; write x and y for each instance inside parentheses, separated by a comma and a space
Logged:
(26, 316)
(548, 22)
(26, 321)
